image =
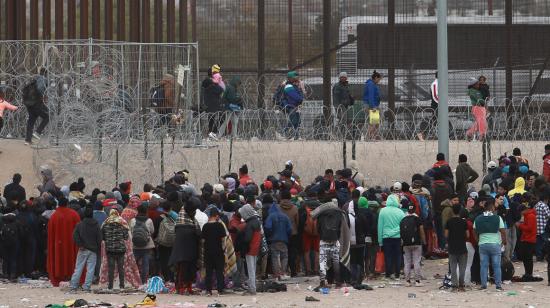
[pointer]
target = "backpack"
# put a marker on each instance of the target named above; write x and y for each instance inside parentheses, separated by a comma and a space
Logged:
(507, 269)
(409, 231)
(157, 96)
(8, 235)
(424, 206)
(140, 234)
(30, 94)
(342, 196)
(332, 220)
(447, 282)
(310, 226)
(167, 232)
(279, 96)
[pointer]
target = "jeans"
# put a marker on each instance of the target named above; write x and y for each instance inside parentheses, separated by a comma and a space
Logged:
(511, 240)
(469, 262)
(438, 224)
(251, 267)
(217, 264)
(540, 245)
(232, 117)
(459, 261)
(142, 259)
(293, 124)
(38, 111)
(412, 256)
(492, 253)
(525, 252)
(239, 274)
(86, 258)
(329, 254)
(392, 256)
(118, 261)
(279, 257)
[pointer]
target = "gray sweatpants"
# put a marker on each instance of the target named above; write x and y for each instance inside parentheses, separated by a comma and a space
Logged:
(460, 261)
(412, 256)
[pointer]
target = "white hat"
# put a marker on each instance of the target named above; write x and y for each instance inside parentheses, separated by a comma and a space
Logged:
(218, 188)
(397, 186)
(343, 74)
(472, 81)
(491, 165)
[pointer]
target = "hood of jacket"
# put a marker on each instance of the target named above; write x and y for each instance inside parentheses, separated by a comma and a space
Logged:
(286, 204)
(446, 203)
(519, 187)
(247, 212)
(235, 81)
(392, 201)
(47, 173)
(440, 163)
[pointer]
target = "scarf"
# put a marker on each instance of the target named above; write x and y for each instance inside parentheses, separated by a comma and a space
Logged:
(134, 202)
(114, 218)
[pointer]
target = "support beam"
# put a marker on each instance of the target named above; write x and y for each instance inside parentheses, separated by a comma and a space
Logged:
(261, 53)
(326, 61)
(146, 21)
(71, 19)
(84, 34)
(184, 37)
(443, 80)
(59, 27)
(290, 45)
(121, 20)
(171, 21)
(508, 51)
(391, 62)
(96, 20)
(158, 21)
(108, 35)
(46, 19)
(34, 19)
(194, 21)
(135, 21)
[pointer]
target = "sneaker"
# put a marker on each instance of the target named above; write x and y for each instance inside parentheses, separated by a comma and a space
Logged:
(28, 142)
(408, 283)
(322, 284)
(249, 293)
(213, 136)
(36, 136)
(418, 284)
(224, 292)
(284, 277)
(500, 289)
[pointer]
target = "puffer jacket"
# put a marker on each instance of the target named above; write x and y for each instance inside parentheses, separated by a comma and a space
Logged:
(114, 236)
(291, 210)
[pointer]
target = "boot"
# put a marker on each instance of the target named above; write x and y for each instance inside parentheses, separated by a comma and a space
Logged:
(322, 284)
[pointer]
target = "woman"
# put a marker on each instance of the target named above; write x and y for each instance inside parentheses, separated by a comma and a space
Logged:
(130, 212)
(131, 271)
(185, 252)
(478, 111)
(371, 99)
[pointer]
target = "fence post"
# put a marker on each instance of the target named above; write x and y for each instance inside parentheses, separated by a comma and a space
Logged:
(230, 152)
(391, 56)
(261, 63)
(344, 152)
(116, 166)
(162, 158)
(327, 16)
(443, 79)
(219, 164)
(508, 52)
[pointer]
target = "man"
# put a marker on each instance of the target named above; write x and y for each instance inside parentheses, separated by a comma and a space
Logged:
(543, 215)
(441, 191)
(442, 166)
(448, 206)
(291, 211)
(478, 111)
(142, 229)
(546, 163)
(341, 98)
(34, 100)
(491, 234)
(456, 232)
(114, 232)
(308, 229)
(213, 232)
(464, 176)
(484, 88)
(278, 230)
(434, 91)
(14, 192)
(389, 235)
(251, 243)
(48, 184)
(371, 100)
(489, 178)
(360, 221)
(87, 236)
(233, 105)
(292, 98)
(62, 250)
(413, 237)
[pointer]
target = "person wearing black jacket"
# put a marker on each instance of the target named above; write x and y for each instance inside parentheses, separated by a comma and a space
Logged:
(213, 105)
(14, 192)
(87, 236)
(359, 226)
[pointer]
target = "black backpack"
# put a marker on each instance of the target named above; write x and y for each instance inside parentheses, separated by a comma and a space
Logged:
(157, 96)
(409, 231)
(279, 96)
(8, 234)
(140, 234)
(30, 94)
(330, 226)
(507, 269)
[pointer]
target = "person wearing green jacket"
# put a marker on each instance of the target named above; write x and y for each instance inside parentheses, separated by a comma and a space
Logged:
(479, 110)
(233, 102)
(389, 235)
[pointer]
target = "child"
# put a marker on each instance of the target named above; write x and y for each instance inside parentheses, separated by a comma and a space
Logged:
(213, 233)
(456, 232)
(3, 106)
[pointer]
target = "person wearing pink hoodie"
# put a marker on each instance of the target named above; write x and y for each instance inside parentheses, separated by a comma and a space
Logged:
(4, 105)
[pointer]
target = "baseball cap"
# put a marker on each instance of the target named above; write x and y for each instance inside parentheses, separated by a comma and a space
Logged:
(397, 186)
(472, 81)
(268, 184)
(292, 74)
(491, 165)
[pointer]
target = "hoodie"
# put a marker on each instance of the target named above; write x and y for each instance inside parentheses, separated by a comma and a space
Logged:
(291, 211)
(277, 226)
(232, 98)
(528, 227)
(87, 235)
(519, 187)
(447, 212)
(252, 231)
(389, 220)
(371, 96)
(48, 184)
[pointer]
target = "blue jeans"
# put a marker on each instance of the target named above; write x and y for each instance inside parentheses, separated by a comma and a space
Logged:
(392, 256)
(293, 124)
(142, 259)
(86, 258)
(251, 267)
(490, 252)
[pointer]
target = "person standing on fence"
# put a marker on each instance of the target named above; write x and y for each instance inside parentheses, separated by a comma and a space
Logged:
(434, 92)
(371, 99)
(4, 105)
(233, 106)
(478, 110)
(484, 88)
(33, 94)
(292, 98)
(212, 92)
(342, 100)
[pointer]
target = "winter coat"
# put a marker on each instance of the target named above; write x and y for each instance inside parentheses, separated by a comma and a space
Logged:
(371, 95)
(363, 224)
(48, 184)
(529, 227)
(389, 220)
(168, 104)
(150, 226)
(292, 96)
(252, 236)
(186, 245)
(291, 210)
(115, 235)
(277, 226)
(447, 211)
(87, 235)
(14, 193)
(441, 192)
(341, 96)
(232, 98)
(464, 175)
(519, 187)
(211, 95)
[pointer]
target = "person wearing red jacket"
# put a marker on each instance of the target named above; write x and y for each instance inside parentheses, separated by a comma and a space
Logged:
(528, 227)
(546, 163)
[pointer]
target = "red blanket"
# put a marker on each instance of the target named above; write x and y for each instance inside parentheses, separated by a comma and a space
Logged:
(62, 250)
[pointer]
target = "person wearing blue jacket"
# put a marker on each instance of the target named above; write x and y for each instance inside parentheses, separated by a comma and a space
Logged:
(371, 99)
(293, 97)
(278, 230)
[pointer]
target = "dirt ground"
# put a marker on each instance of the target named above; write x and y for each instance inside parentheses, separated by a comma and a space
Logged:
(534, 294)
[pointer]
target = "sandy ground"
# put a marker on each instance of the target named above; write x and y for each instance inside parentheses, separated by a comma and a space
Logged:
(382, 162)
(526, 295)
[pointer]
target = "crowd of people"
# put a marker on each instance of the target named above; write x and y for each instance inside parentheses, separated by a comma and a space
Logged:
(237, 231)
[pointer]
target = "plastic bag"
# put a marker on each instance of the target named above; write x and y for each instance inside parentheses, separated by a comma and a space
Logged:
(379, 264)
(374, 116)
